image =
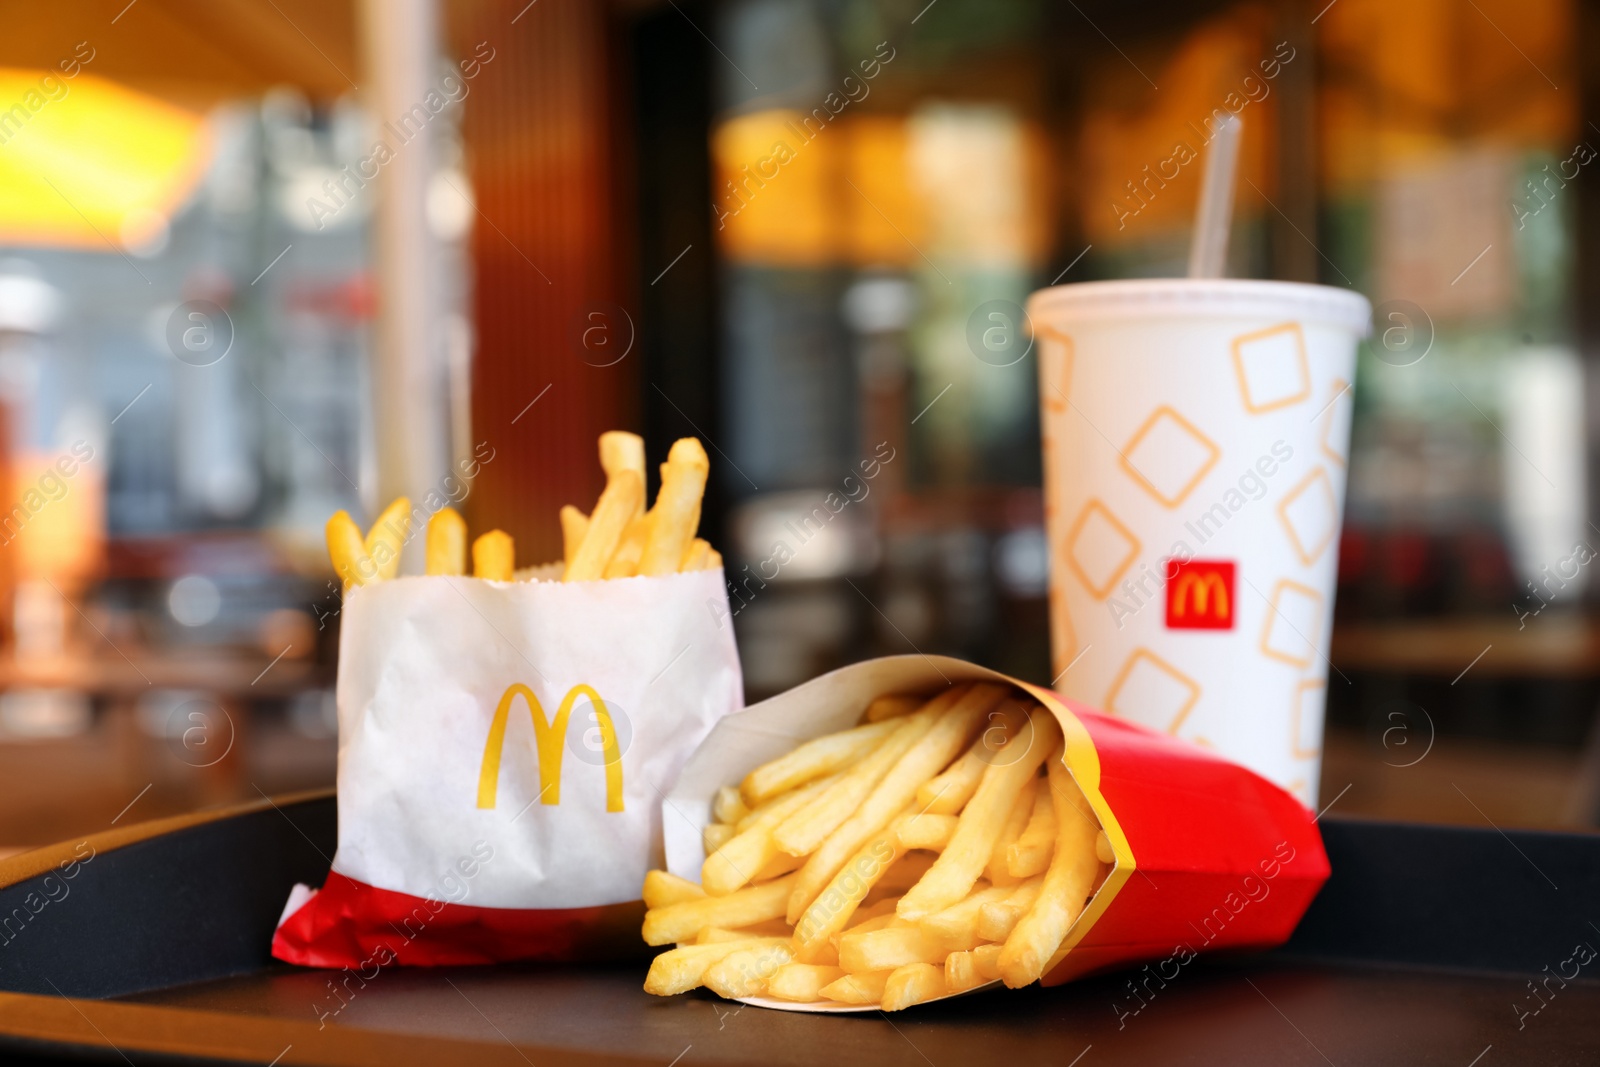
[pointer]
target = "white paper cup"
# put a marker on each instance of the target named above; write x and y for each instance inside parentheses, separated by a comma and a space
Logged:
(1196, 435)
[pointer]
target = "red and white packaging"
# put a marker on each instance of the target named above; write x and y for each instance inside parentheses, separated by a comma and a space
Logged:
(1209, 854)
(503, 751)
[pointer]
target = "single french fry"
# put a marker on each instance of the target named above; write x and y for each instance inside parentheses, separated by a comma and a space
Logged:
(348, 551)
(833, 907)
(931, 832)
(857, 988)
(893, 946)
(1066, 884)
(698, 554)
(388, 536)
(624, 562)
(729, 806)
(998, 870)
(618, 504)
(774, 928)
(494, 556)
(681, 921)
(1030, 853)
(913, 984)
(959, 922)
(740, 856)
(892, 706)
(937, 746)
(714, 837)
(745, 973)
(713, 561)
(986, 961)
(779, 865)
(952, 875)
(1102, 848)
(445, 550)
(621, 451)
(815, 758)
(677, 508)
(801, 982)
(574, 524)
(784, 802)
(681, 969)
(662, 888)
(997, 920)
(960, 974)
(801, 833)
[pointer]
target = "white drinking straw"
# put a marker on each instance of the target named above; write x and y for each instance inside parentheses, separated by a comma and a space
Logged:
(1209, 252)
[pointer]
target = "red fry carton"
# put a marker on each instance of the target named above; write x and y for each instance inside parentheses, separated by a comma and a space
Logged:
(1209, 855)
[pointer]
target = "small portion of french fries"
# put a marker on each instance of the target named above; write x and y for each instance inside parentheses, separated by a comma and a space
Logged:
(618, 539)
(939, 845)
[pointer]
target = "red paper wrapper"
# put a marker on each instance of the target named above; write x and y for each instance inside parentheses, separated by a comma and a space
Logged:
(1209, 855)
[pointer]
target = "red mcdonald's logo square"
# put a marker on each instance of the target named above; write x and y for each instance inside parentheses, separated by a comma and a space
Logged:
(1200, 594)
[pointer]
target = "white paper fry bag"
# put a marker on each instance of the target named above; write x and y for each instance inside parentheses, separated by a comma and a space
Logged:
(504, 748)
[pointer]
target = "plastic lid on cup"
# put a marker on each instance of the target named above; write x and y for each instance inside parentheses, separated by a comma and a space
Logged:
(1207, 298)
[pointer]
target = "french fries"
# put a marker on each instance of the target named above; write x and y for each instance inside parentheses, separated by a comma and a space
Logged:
(837, 883)
(618, 539)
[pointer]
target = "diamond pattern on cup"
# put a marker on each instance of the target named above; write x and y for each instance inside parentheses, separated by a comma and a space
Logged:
(1099, 549)
(1055, 367)
(1272, 368)
(1310, 515)
(1336, 422)
(1168, 456)
(1305, 739)
(1294, 622)
(1151, 690)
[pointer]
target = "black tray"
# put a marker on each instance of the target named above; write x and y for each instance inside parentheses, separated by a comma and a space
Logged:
(1429, 945)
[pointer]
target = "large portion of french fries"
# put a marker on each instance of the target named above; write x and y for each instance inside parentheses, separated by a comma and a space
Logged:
(618, 539)
(939, 845)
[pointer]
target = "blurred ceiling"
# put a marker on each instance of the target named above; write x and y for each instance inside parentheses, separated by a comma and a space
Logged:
(193, 52)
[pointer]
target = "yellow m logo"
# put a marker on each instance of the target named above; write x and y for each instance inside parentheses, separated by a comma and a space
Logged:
(549, 740)
(1201, 591)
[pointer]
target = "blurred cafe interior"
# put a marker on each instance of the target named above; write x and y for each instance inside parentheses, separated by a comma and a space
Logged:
(764, 222)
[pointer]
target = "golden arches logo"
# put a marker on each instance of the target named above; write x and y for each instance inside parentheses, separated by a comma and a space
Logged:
(1203, 592)
(549, 740)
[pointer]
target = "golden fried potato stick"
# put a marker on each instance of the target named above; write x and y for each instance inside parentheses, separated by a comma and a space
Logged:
(802, 982)
(831, 911)
(893, 946)
(617, 506)
(1030, 853)
(661, 889)
(348, 551)
(856, 988)
(682, 921)
(745, 973)
(960, 973)
(677, 508)
(814, 759)
(716, 835)
(986, 961)
(494, 556)
(773, 928)
(893, 706)
(934, 749)
(1066, 884)
(998, 871)
(574, 524)
(621, 451)
(949, 792)
(729, 806)
(624, 562)
(952, 876)
(997, 920)
(931, 832)
(913, 984)
(681, 969)
(388, 536)
(1102, 848)
(446, 547)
